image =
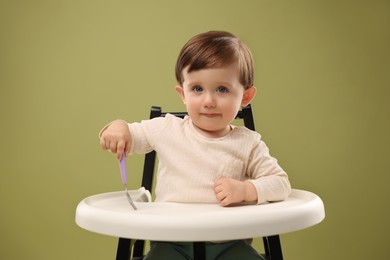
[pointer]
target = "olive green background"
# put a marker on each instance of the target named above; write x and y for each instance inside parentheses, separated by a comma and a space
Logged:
(69, 67)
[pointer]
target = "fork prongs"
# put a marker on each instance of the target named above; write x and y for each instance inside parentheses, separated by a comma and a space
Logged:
(130, 199)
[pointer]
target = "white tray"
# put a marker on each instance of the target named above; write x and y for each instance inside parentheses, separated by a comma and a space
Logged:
(110, 214)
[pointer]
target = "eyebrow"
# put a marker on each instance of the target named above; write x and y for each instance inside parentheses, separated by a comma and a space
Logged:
(217, 84)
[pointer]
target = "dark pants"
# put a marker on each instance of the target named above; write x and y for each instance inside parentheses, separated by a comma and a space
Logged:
(231, 250)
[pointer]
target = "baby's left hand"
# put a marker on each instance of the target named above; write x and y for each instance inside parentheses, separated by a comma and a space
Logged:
(229, 191)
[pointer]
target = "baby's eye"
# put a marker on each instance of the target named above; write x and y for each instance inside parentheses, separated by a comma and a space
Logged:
(197, 89)
(222, 89)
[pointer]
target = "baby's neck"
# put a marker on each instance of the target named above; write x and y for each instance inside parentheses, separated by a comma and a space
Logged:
(213, 134)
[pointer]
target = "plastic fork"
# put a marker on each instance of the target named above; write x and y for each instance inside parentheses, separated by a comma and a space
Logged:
(122, 165)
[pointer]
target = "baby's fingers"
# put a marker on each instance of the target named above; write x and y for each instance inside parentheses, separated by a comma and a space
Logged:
(106, 144)
(110, 146)
(103, 144)
(120, 150)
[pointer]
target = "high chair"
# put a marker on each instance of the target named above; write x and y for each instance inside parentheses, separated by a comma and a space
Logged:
(104, 214)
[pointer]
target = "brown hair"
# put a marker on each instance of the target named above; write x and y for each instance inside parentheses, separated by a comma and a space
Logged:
(215, 49)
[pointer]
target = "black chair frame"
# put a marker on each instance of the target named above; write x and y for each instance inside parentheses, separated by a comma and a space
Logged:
(272, 245)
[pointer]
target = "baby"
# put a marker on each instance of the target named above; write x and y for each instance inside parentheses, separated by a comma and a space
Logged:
(203, 158)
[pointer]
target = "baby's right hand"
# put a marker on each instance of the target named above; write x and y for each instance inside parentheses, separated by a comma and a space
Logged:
(116, 138)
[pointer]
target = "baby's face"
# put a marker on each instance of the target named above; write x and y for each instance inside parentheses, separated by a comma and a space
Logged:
(212, 97)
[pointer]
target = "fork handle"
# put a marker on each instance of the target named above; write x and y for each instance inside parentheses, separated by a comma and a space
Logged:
(122, 165)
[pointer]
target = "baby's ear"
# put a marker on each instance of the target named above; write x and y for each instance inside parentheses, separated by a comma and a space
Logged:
(180, 91)
(248, 96)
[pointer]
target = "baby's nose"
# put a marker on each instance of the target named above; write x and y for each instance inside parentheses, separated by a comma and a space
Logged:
(209, 100)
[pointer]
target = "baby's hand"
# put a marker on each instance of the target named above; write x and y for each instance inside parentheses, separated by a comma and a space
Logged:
(230, 191)
(116, 138)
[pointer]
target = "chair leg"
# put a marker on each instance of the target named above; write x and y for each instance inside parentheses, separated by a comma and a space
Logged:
(199, 251)
(138, 249)
(266, 246)
(273, 248)
(124, 249)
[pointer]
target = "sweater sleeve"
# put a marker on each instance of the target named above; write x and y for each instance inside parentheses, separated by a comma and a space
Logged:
(145, 133)
(270, 180)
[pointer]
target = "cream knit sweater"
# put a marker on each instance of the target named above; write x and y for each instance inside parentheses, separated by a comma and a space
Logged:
(189, 163)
